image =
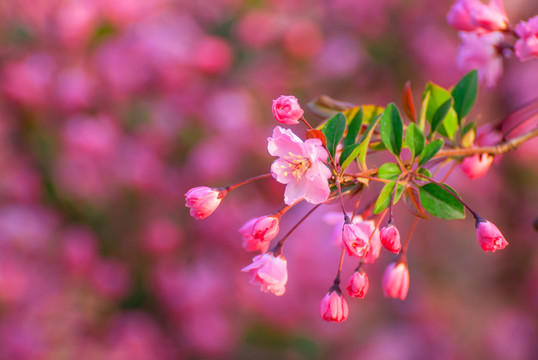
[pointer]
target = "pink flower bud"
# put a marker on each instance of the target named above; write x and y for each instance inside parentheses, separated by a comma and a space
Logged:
(489, 237)
(357, 285)
(203, 201)
(476, 166)
(270, 272)
(396, 280)
(473, 15)
(354, 239)
(334, 307)
(258, 232)
(390, 238)
(286, 109)
(527, 45)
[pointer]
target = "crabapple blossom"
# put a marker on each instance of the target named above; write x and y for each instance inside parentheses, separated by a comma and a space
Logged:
(526, 47)
(203, 201)
(334, 307)
(481, 53)
(357, 285)
(286, 110)
(473, 15)
(258, 232)
(489, 236)
(354, 239)
(300, 166)
(476, 166)
(390, 238)
(396, 280)
(270, 272)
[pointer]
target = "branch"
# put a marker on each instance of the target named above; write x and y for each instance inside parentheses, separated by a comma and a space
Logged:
(493, 150)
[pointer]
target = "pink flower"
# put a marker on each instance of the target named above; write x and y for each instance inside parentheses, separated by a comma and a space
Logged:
(390, 238)
(480, 52)
(489, 237)
(270, 272)
(473, 15)
(300, 166)
(355, 240)
(258, 232)
(527, 45)
(286, 109)
(396, 280)
(476, 166)
(203, 201)
(357, 285)
(334, 307)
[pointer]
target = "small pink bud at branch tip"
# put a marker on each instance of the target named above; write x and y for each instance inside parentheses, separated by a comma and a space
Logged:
(203, 201)
(390, 238)
(489, 236)
(358, 284)
(334, 307)
(258, 232)
(286, 110)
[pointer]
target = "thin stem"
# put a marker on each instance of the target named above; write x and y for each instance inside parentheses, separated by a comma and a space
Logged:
(337, 279)
(449, 172)
(408, 237)
(476, 216)
(370, 178)
(285, 209)
(392, 197)
(341, 198)
(231, 187)
(493, 150)
(306, 123)
(277, 249)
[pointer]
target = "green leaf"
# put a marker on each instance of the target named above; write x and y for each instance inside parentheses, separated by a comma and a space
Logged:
(429, 151)
(348, 155)
(464, 94)
(391, 129)
(383, 200)
(414, 139)
(389, 171)
(353, 128)
(424, 107)
(440, 115)
(365, 141)
(450, 125)
(425, 172)
(437, 98)
(334, 130)
(439, 202)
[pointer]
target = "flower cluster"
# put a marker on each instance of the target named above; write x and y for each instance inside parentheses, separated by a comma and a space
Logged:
(487, 36)
(314, 170)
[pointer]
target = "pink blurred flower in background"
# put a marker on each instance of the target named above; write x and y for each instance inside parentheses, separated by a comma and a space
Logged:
(396, 280)
(473, 15)
(270, 272)
(300, 166)
(480, 52)
(526, 46)
(476, 166)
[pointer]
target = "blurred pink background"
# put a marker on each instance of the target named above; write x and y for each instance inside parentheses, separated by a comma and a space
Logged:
(111, 110)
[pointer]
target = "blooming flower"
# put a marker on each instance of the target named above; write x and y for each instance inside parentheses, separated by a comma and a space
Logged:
(489, 237)
(480, 52)
(473, 15)
(476, 166)
(334, 307)
(526, 46)
(355, 240)
(203, 201)
(258, 232)
(357, 285)
(270, 272)
(396, 280)
(390, 238)
(286, 109)
(300, 166)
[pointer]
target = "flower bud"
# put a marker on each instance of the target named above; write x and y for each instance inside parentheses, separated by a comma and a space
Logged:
(489, 237)
(476, 166)
(270, 272)
(357, 285)
(334, 307)
(473, 15)
(353, 239)
(286, 109)
(203, 201)
(396, 280)
(526, 47)
(390, 238)
(258, 232)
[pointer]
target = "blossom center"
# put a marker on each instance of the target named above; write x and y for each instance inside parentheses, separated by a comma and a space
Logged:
(297, 165)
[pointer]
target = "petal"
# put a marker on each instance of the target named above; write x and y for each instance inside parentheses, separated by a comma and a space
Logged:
(295, 190)
(283, 142)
